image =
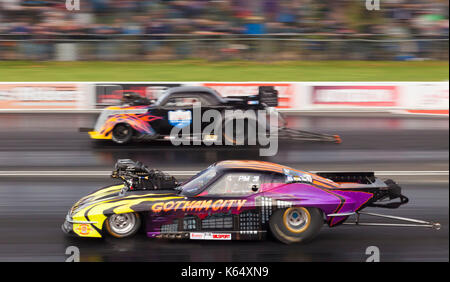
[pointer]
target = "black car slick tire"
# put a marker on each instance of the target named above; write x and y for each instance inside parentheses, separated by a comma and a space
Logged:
(122, 133)
(233, 139)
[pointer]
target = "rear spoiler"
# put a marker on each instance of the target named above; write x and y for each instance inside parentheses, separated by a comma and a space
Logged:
(358, 181)
(267, 96)
(354, 177)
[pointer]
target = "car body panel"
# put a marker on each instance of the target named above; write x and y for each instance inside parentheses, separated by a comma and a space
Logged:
(171, 214)
(141, 123)
(154, 119)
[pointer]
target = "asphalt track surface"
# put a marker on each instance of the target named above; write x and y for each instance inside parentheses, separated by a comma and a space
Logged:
(33, 208)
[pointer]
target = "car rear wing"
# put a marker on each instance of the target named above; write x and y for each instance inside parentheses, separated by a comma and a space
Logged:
(267, 96)
(352, 177)
(384, 191)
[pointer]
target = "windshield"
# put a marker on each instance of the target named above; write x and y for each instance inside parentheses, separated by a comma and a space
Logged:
(198, 182)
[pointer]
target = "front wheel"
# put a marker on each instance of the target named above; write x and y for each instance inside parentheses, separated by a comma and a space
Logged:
(296, 224)
(122, 133)
(123, 225)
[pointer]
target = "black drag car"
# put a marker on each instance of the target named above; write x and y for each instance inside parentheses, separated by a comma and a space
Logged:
(201, 114)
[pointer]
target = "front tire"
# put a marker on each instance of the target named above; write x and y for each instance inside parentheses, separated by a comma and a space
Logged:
(122, 133)
(296, 224)
(123, 225)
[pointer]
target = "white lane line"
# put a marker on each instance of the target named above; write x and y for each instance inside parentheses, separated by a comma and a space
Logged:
(190, 173)
(386, 110)
(80, 173)
(406, 172)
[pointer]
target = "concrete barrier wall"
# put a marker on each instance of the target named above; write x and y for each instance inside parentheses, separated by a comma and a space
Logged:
(407, 97)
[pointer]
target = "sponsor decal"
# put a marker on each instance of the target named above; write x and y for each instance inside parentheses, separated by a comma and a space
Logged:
(221, 236)
(84, 229)
(374, 96)
(197, 236)
(428, 98)
(294, 176)
(202, 205)
(285, 90)
(180, 118)
(224, 124)
(432, 97)
(210, 138)
(209, 236)
(40, 96)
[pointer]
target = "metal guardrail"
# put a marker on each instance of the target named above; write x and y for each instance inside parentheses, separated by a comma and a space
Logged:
(222, 46)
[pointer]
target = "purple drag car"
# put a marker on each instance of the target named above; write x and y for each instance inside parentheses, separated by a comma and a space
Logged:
(232, 200)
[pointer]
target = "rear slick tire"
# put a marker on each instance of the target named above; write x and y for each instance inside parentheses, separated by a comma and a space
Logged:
(238, 136)
(296, 224)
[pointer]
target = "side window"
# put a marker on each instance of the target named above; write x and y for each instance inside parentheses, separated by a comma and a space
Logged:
(237, 184)
(274, 180)
(182, 101)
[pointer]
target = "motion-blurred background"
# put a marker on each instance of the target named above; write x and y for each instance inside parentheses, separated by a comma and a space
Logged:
(378, 78)
(223, 29)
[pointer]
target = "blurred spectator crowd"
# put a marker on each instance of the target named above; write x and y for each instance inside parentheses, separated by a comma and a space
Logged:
(253, 17)
(398, 19)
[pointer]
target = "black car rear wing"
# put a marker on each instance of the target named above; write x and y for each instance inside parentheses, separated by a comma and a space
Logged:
(267, 97)
(137, 176)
